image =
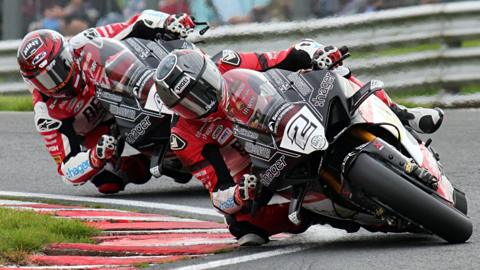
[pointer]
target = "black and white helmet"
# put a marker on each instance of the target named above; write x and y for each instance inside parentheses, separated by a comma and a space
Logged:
(189, 83)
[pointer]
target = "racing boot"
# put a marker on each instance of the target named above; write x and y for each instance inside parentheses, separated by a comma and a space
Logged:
(422, 120)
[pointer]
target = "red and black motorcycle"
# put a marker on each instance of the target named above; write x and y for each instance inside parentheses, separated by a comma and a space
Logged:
(340, 152)
(124, 72)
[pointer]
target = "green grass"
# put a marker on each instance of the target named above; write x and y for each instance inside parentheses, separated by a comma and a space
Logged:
(391, 51)
(470, 89)
(25, 232)
(471, 43)
(16, 103)
(406, 93)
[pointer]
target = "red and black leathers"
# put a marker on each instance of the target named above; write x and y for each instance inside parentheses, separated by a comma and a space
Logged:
(71, 127)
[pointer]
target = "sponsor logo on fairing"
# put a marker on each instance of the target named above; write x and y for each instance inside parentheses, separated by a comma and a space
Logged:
(279, 81)
(139, 48)
(258, 150)
(122, 112)
(107, 95)
(319, 142)
(32, 47)
(273, 171)
(325, 86)
(276, 118)
(300, 83)
(74, 172)
(245, 133)
(138, 130)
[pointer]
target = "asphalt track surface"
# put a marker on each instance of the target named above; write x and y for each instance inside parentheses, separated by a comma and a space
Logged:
(26, 167)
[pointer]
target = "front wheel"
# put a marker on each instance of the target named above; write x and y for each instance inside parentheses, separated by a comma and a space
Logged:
(378, 181)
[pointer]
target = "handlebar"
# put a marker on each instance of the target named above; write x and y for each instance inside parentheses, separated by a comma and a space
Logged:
(345, 54)
(204, 29)
(344, 50)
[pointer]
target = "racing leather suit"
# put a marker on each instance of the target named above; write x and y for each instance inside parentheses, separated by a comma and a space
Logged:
(71, 127)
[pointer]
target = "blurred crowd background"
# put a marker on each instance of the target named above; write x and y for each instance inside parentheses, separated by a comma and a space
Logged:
(73, 16)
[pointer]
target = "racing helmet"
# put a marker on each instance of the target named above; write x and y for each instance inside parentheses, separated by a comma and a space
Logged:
(189, 83)
(46, 64)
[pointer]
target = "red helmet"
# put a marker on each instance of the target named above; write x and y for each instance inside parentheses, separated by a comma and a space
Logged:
(46, 64)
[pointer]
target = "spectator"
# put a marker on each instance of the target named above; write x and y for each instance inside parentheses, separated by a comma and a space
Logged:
(79, 15)
(280, 10)
(204, 10)
(80, 10)
(238, 11)
(133, 7)
(374, 5)
(52, 19)
(325, 8)
(173, 6)
(352, 7)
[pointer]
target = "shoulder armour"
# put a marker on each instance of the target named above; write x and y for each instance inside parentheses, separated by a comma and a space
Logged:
(43, 121)
(83, 37)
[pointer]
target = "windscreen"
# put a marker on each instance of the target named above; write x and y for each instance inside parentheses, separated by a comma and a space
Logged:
(114, 67)
(250, 99)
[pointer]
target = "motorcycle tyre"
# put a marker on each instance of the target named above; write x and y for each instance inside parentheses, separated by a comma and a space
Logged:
(411, 202)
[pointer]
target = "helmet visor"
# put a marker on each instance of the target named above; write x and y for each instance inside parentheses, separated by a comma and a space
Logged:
(56, 79)
(202, 97)
(200, 101)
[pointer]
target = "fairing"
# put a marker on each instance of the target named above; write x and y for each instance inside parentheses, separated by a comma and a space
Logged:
(250, 99)
(374, 111)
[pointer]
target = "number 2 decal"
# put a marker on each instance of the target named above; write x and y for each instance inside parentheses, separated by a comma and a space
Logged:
(300, 131)
(304, 133)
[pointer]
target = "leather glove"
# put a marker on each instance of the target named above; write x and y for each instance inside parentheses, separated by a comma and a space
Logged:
(181, 24)
(106, 149)
(246, 188)
(324, 57)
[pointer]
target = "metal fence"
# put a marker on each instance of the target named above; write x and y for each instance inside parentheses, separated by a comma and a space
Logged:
(448, 24)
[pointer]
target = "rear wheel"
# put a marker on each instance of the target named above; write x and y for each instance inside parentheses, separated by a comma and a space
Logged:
(378, 181)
